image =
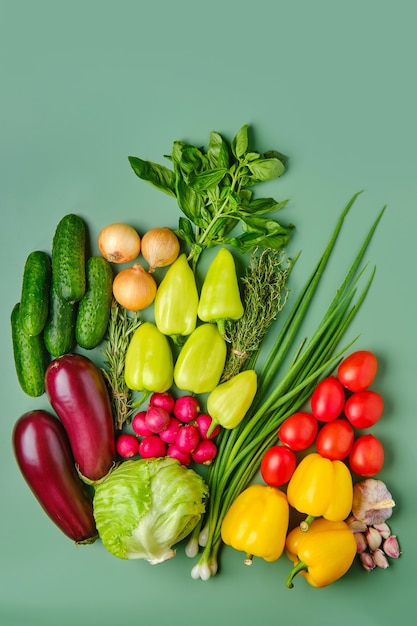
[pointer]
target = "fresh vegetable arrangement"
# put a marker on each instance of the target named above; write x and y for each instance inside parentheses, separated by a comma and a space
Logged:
(181, 433)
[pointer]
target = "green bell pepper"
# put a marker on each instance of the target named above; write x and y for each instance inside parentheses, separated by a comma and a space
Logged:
(201, 360)
(149, 362)
(220, 297)
(229, 402)
(176, 301)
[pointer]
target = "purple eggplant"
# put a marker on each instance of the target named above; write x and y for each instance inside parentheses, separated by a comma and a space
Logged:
(44, 456)
(78, 394)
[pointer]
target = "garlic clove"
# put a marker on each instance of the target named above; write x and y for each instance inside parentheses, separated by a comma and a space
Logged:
(383, 529)
(355, 525)
(380, 559)
(367, 561)
(361, 543)
(391, 547)
(373, 538)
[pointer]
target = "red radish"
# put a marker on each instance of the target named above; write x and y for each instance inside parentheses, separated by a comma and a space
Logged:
(78, 393)
(203, 423)
(205, 452)
(152, 447)
(156, 419)
(163, 401)
(170, 433)
(127, 445)
(175, 453)
(187, 438)
(139, 424)
(186, 408)
(44, 456)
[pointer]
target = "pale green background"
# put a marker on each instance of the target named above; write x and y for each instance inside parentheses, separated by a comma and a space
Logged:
(84, 84)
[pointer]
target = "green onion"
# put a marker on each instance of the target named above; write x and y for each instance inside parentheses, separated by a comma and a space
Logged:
(281, 393)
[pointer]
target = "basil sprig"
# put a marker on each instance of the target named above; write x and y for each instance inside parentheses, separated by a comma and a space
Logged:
(213, 191)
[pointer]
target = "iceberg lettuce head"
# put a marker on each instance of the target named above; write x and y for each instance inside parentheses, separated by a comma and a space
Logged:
(144, 507)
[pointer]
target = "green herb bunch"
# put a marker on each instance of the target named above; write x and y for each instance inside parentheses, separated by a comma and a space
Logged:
(213, 191)
(264, 295)
(121, 327)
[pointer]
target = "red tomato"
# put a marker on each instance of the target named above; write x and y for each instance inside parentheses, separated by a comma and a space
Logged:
(299, 431)
(358, 370)
(364, 408)
(367, 456)
(278, 465)
(328, 399)
(335, 439)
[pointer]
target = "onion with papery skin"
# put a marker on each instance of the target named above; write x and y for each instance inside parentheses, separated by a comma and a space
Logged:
(160, 247)
(119, 243)
(134, 288)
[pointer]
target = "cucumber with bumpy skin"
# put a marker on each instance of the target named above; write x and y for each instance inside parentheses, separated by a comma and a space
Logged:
(94, 307)
(30, 356)
(68, 258)
(34, 300)
(59, 331)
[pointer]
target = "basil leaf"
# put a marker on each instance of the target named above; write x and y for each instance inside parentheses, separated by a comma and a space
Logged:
(274, 154)
(266, 169)
(157, 175)
(189, 202)
(206, 216)
(189, 158)
(245, 196)
(227, 224)
(218, 151)
(185, 231)
(208, 179)
(264, 225)
(249, 241)
(240, 142)
(261, 206)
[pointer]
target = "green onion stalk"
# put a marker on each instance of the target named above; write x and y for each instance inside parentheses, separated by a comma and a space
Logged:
(279, 394)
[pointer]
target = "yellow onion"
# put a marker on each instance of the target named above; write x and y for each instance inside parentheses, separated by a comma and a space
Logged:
(134, 288)
(119, 243)
(160, 247)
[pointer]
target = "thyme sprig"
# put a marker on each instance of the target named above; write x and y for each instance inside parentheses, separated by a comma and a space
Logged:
(121, 326)
(264, 295)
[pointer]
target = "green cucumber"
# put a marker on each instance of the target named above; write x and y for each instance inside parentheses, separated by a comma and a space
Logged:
(30, 356)
(59, 331)
(94, 307)
(34, 300)
(68, 258)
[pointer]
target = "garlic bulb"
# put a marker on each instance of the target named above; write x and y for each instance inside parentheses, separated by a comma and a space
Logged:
(372, 502)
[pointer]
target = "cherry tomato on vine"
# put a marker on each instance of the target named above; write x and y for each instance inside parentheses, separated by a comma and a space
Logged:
(278, 465)
(367, 456)
(335, 439)
(364, 408)
(358, 370)
(327, 399)
(299, 431)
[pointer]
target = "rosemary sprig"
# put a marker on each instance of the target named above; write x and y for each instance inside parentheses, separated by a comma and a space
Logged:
(121, 326)
(264, 295)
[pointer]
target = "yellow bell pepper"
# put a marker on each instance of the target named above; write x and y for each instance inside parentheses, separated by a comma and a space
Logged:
(257, 523)
(320, 487)
(321, 555)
